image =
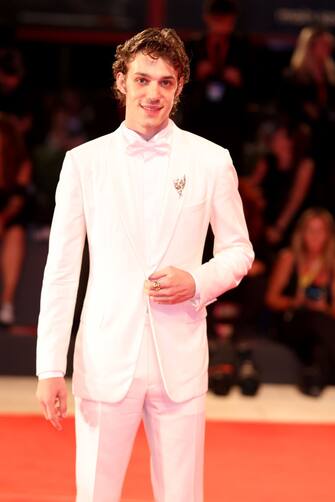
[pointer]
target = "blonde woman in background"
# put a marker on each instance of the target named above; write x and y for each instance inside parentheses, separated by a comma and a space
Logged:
(311, 75)
(302, 290)
(308, 98)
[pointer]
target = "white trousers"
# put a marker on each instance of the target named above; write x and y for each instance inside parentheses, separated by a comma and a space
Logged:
(105, 434)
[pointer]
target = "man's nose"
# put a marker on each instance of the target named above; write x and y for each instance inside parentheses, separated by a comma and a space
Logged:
(153, 91)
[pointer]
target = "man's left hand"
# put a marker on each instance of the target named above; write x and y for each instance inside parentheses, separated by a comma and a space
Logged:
(170, 285)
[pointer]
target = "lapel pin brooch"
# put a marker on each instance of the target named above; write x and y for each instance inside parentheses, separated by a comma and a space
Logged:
(179, 184)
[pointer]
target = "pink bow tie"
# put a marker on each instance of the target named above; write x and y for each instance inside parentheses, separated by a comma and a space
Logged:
(148, 149)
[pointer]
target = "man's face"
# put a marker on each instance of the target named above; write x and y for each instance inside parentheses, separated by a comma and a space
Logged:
(151, 87)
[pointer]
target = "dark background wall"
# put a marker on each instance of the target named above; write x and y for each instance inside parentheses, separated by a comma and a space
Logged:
(274, 16)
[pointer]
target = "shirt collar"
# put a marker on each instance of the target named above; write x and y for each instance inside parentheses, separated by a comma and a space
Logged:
(163, 136)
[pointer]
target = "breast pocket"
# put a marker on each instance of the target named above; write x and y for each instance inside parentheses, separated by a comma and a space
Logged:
(193, 218)
(192, 208)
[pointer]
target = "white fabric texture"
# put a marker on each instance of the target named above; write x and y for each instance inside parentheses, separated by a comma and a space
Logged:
(148, 163)
(97, 196)
(105, 434)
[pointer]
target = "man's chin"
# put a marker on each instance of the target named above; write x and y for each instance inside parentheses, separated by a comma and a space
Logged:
(153, 116)
(155, 122)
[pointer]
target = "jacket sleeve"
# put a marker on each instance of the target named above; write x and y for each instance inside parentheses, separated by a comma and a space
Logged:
(233, 253)
(62, 271)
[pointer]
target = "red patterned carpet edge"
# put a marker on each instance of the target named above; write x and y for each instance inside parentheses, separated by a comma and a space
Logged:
(245, 462)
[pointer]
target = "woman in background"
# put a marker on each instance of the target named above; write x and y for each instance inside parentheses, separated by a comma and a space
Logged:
(283, 178)
(310, 77)
(308, 97)
(15, 172)
(302, 290)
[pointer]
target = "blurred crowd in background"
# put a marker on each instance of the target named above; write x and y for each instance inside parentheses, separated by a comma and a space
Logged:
(276, 115)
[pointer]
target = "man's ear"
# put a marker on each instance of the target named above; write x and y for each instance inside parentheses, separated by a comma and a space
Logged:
(121, 82)
(180, 86)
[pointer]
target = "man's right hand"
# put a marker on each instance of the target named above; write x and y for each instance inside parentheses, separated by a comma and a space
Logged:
(52, 394)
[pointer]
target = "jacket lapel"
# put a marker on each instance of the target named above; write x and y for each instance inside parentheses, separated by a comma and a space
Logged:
(177, 177)
(129, 198)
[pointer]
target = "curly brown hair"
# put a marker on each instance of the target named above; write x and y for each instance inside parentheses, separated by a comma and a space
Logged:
(156, 43)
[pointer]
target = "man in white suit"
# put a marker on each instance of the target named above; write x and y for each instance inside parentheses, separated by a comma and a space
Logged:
(144, 195)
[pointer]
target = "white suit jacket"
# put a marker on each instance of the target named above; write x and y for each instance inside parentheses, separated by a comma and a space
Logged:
(95, 197)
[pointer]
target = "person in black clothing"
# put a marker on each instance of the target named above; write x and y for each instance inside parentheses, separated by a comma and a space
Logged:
(308, 97)
(308, 94)
(283, 177)
(216, 99)
(302, 291)
(15, 174)
(14, 99)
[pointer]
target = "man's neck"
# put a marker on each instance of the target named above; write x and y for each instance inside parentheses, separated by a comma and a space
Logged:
(146, 133)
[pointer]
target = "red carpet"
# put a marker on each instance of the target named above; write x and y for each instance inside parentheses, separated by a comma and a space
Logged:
(245, 462)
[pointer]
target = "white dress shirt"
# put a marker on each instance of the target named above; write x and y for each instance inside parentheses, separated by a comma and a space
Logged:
(148, 167)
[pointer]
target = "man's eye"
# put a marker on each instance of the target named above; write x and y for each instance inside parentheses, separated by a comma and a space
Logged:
(141, 80)
(166, 83)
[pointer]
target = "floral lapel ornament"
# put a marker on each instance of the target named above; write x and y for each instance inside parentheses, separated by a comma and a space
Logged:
(179, 184)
